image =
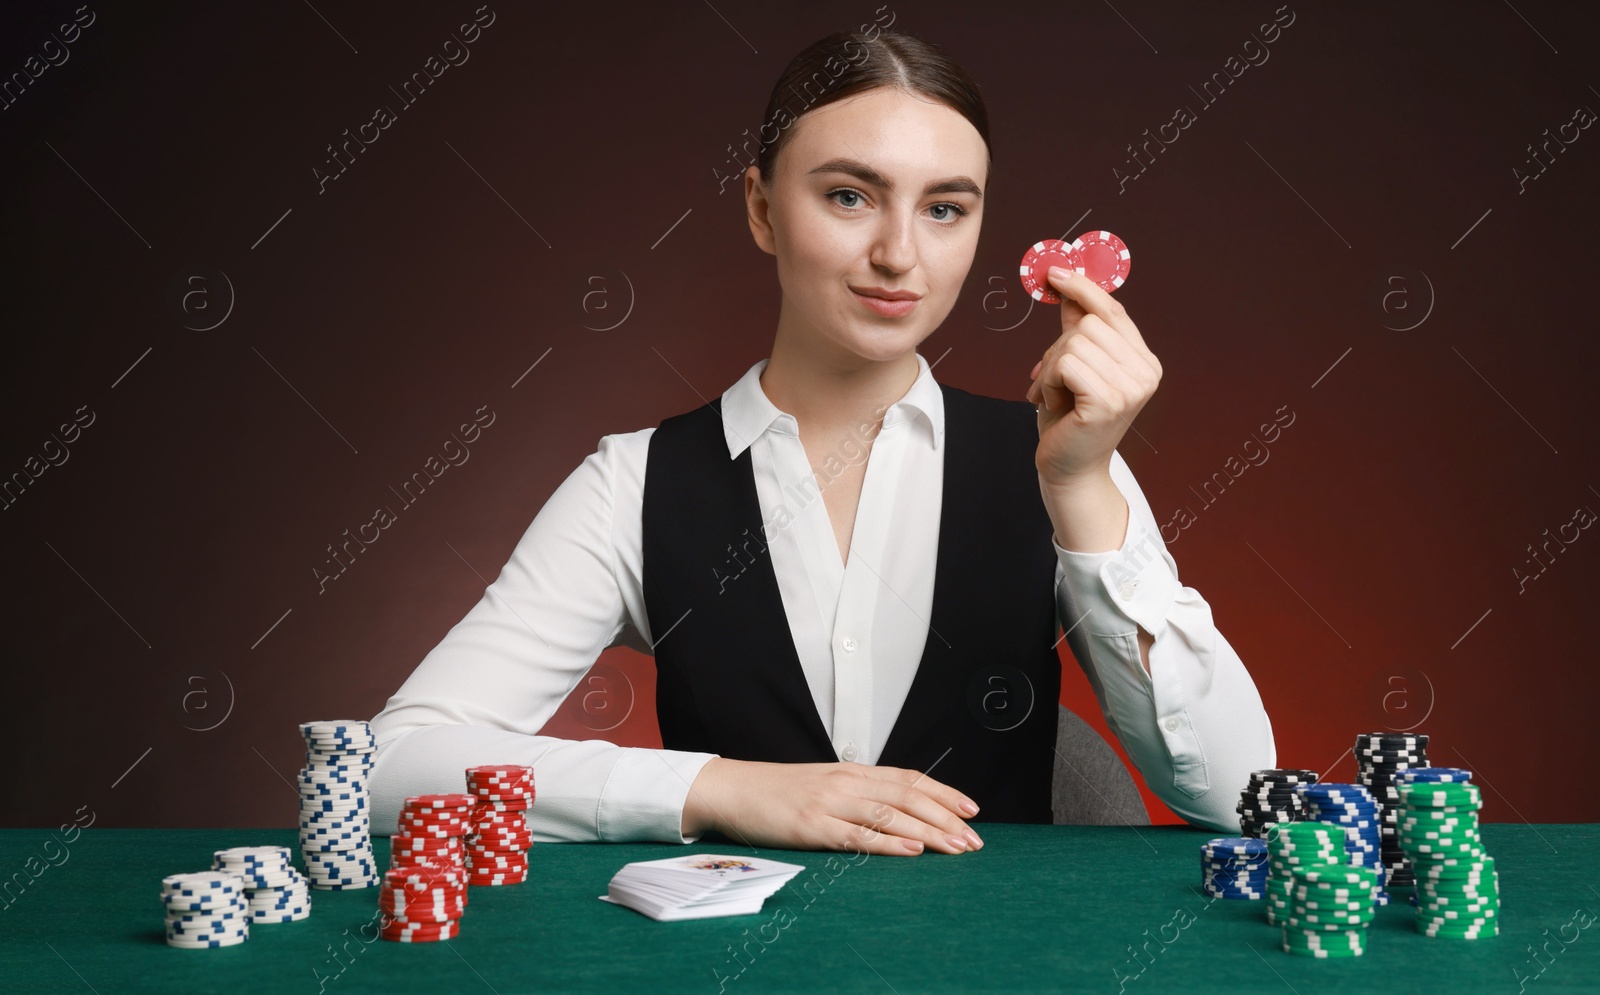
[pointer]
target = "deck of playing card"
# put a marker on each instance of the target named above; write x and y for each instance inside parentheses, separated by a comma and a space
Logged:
(698, 886)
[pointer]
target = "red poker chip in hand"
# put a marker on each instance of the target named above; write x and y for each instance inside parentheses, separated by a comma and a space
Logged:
(1099, 255)
(1036, 263)
(1103, 258)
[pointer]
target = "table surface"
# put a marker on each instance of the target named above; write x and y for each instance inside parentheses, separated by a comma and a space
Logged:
(1040, 908)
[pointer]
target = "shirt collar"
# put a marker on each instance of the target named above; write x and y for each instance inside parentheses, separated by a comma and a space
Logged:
(747, 412)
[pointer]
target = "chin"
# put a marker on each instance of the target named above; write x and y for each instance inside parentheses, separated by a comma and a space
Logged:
(886, 339)
(885, 348)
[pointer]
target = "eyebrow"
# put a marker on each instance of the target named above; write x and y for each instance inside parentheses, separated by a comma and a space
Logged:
(866, 174)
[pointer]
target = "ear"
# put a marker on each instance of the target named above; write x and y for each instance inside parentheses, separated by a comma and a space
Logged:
(758, 210)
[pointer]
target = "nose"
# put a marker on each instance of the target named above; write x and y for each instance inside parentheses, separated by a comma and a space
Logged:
(894, 247)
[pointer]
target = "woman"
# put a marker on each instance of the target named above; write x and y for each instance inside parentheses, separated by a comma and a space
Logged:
(848, 672)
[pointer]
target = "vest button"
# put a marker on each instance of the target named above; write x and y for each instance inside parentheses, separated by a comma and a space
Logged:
(850, 751)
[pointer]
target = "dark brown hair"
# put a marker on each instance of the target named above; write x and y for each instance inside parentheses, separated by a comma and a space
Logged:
(849, 62)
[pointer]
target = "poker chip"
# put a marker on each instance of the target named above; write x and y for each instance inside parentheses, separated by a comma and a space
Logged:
(436, 908)
(1328, 909)
(1036, 264)
(427, 852)
(1431, 774)
(424, 844)
(424, 891)
(273, 892)
(1353, 809)
(278, 918)
(231, 939)
(1441, 795)
(205, 910)
(1334, 849)
(1385, 740)
(1103, 258)
(437, 816)
(499, 837)
(1380, 759)
(422, 904)
(440, 805)
(404, 932)
(335, 805)
(1234, 867)
(1457, 885)
(1098, 255)
(1298, 846)
(1311, 943)
(202, 885)
(510, 786)
(1270, 797)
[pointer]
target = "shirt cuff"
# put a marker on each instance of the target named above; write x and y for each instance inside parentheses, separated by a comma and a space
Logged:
(1117, 588)
(645, 794)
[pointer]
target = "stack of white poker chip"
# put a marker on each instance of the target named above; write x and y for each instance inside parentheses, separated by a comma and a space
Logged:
(274, 891)
(205, 909)
(335, 807)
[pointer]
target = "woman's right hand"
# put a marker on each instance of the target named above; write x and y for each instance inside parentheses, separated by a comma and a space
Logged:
(829, 806)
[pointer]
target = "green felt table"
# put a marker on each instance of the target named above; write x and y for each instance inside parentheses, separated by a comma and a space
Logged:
(1039, 908)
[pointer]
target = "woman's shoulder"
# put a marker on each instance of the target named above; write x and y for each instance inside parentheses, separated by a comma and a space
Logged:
(622, 452)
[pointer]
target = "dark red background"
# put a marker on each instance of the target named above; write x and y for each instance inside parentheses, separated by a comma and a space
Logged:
(1345, 569)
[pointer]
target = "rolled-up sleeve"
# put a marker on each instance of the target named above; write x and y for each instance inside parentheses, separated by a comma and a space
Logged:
(483, 693)
(1193, 723)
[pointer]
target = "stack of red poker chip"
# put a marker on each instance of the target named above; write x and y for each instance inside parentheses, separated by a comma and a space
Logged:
(446, 853)
(422, 904)
(497, 850)
(436, 816)
(425, 890)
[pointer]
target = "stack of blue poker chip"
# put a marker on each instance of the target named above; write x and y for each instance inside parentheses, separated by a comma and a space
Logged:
(275, 891)
(1433, 775)
(335, 806)
(205, 910)
(1351, 807)
(1234, 867)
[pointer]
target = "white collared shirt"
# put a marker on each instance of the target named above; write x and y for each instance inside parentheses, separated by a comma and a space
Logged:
(1193, 723)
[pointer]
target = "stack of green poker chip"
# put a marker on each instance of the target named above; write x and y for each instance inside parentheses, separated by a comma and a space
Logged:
(1297, 845)
(1458, 888)
(1330, 908)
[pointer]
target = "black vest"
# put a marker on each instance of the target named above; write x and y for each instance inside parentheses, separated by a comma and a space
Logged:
(981, 712)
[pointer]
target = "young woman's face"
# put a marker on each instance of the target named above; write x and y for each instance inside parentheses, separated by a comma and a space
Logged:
(879, 193)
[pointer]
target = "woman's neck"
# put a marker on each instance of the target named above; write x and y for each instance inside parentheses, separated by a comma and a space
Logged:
(829, 390)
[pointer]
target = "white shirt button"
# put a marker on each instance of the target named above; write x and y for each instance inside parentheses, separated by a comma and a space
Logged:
(1127, 589)
(849, 644)
(1172, 725)
(849, 751)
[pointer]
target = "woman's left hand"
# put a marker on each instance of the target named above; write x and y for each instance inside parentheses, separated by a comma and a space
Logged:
(1090, 384)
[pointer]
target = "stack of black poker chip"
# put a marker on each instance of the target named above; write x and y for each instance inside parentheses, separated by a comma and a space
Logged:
(1270, 797)
(1379, 755)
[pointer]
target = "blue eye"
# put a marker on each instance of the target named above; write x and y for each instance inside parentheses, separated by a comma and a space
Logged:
(945, 219)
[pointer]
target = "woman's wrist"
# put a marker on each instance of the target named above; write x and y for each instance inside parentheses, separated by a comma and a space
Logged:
(699, 811)
(1088, 511)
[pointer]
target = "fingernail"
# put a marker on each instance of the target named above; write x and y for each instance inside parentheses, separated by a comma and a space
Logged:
(972, 838)
(1060, 273)
(915, 846)
(1036, 368)
(969, 808)
(957, 842)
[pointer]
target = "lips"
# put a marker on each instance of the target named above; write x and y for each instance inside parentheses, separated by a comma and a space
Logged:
(887, 295)
(887, 307)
